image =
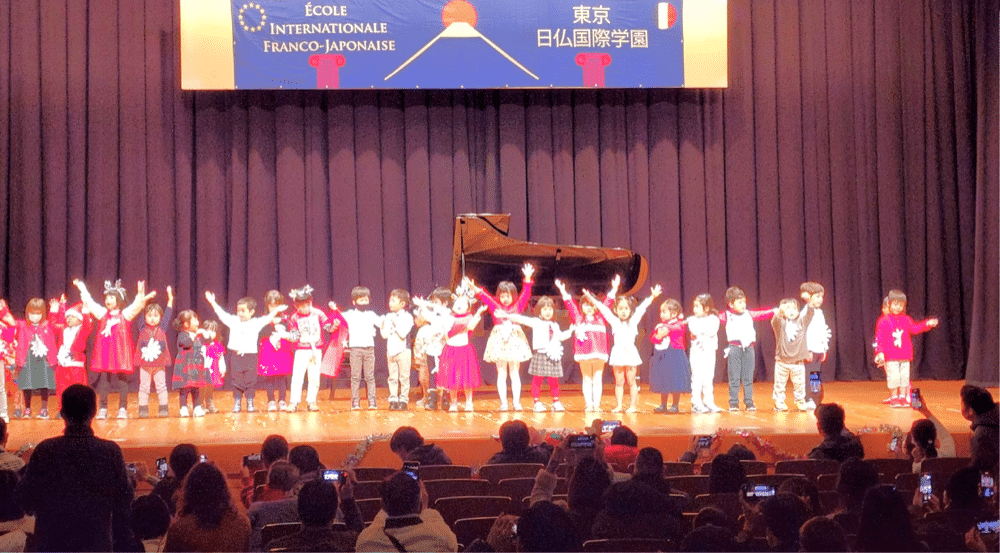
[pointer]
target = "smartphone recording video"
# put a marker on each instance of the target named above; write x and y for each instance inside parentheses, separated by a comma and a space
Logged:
(916, 401)
(608, 427)
(333, 475)
(926, 486)
(755, 492)
(412, 468)
(162, 467)
(582, 441)
(704, 442)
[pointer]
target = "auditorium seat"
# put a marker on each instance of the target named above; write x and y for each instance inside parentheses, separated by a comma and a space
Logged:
(444, 472)
(729, 503)
(369, 508)
(810, 468)
(693, 485)
(496, 473)
(454, 508)
(370, 474)
(944, 467)
(515, 488)
(437, 489)
(468, 530)
(890, 467)
(750, 467)
(775, 480)
(677, 469)
(277, 530)
(368, 489)
(628, 545)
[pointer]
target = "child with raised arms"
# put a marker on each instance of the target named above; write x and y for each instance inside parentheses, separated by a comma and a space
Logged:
(590, 343)
(894, 346)
(152, 356)
(507, 345)
(741, 352)
(73, 327)
(546, 361)
(113, 349)
(624, 357)
(36, 351)
(244, 329)
(669, 370)
(430, 341)
(459, 364)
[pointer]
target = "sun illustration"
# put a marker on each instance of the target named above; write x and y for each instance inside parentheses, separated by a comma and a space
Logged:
(459, 11)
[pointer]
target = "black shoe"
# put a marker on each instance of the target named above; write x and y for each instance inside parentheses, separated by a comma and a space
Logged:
(660, 409)
(393, 405)
(445, 402)
(402, 407)
(163, 412)
(143, 411)
(432, 400)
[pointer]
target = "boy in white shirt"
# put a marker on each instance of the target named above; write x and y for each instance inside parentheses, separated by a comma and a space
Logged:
(362, 323)
(243, 332)
(817, 341)
(396, 326)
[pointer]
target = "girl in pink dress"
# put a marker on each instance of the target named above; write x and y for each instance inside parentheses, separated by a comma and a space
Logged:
(459, 363)
(274, 361)
(113, 348)
(508, 346)
(215, 362)
(590, 342)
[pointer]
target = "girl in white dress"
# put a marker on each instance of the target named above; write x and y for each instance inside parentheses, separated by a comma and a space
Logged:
(624, 358)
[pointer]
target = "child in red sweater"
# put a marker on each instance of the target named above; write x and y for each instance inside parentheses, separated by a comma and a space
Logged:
(894, 346)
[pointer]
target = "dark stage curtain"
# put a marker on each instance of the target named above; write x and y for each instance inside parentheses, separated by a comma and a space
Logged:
(857, 145)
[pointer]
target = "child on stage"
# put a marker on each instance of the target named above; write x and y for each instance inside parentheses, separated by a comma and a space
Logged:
(362, 324)
(741, 351)
(215, 363)
(590, 345)
(244, 329)
(546, 341)
(274, 361)
(152, 356)
(459, 364)
(307, 324)
(35, 353)
(669, 370)
(430, 342)
(790, 352)
(894, 338)
(704, 328)
(113, 349)
(817, 342)
(624, 357)
(190, 372)
(395, 328)
(507, 345)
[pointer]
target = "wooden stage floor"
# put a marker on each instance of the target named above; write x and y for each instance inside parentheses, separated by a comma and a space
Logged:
(469, 438)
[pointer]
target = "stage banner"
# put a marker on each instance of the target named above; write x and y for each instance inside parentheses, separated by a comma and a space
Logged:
(452, 44)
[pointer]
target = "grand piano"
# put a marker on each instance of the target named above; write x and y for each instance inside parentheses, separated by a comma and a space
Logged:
(484, 252)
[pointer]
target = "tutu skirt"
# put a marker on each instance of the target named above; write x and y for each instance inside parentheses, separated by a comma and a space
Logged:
(458, 368)
(507, 342)
(669, 372)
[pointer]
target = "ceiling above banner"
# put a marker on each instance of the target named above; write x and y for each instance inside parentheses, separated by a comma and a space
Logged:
(452, 44)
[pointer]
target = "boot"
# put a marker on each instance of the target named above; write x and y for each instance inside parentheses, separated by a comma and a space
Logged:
(432, 400)
(143, 411)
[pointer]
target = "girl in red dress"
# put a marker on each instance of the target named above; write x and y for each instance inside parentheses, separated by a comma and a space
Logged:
(113, 349)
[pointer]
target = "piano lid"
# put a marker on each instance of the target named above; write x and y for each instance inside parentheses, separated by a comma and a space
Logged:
(483, 251)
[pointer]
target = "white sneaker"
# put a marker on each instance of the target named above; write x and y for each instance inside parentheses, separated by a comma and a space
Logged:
(699, 409)
(282, 406)
(199, 411)
(558, 406)
(504, 407)
(810, 404)
(184, 412)
(102, 414)
(122, 413)
(539, 407)
(272, 406)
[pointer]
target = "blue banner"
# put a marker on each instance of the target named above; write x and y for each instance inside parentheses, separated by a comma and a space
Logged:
(400, 44)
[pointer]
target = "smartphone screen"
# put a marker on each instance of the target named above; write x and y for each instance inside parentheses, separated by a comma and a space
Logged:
(412, 468)
(915, 401)
(203, 459)
(704, 442)
(988, 526)
(756, 492)
(986, 483)
(162, 467)
(608, 427)
(331, 475)
(131, 468)
(894, 444)
(251, 459)
(926, 487)
(582, 441)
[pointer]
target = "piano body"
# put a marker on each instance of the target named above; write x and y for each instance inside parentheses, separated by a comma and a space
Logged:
(483, 251)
